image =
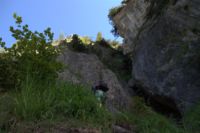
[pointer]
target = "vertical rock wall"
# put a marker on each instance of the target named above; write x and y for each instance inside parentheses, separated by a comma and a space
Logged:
(163, 37)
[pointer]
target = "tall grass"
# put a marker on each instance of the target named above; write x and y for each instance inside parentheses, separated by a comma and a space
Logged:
(37, 102)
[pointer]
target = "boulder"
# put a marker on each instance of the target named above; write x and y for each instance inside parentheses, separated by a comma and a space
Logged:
(87, 69)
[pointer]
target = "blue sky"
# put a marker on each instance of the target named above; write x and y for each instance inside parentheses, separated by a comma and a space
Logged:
(83, 17)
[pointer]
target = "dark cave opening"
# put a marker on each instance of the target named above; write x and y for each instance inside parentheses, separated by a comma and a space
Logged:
(161, 104)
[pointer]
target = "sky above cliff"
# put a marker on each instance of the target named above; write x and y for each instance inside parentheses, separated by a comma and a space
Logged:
(83, 17)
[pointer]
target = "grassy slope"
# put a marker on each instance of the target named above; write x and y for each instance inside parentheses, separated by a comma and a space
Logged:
(41, 104)
(67, 105)
(52, 103)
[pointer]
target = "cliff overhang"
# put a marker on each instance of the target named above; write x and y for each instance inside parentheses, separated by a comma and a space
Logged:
(163, 37)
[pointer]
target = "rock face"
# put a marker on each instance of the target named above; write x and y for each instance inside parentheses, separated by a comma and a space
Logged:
(87, 69)
(163, 37)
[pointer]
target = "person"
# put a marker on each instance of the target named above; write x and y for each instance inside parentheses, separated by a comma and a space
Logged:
(100, 92)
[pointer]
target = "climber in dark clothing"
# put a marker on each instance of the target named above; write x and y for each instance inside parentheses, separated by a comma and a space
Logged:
(100, 91)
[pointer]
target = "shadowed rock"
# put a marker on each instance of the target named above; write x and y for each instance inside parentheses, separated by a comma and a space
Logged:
(163, 38)
(87, 69)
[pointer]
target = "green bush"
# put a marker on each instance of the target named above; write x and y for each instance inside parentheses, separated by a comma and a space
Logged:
(31, 49)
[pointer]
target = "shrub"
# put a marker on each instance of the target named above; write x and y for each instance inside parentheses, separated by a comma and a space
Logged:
(103, 43)
(30, 49)
(86, 40)
(113, 11)
(77, 44)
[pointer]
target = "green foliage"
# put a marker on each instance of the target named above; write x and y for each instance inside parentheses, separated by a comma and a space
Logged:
(31, 49)
(114, 44)
(86, 40)
(61, 37)
(18, 19)
(113, 58)
(85, 43)
(74, 102)
(103, 43)
(9, 73)
(192, 119)
(77, 44)
(34, 101)
(113, 11)
(37, 102)
(108, 51)
(146, 120)
(43, 101)
(2, 44)
(99, 37)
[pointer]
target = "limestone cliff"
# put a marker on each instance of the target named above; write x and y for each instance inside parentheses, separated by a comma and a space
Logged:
(163, 37)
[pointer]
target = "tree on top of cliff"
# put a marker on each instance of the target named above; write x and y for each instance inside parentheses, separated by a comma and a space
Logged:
(77, 44)
(99, 37)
